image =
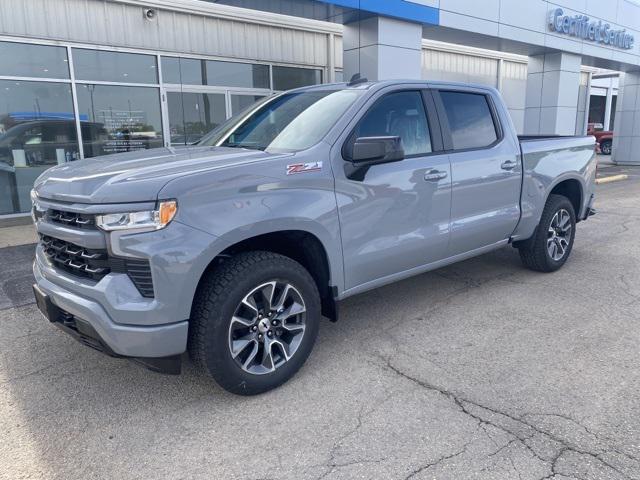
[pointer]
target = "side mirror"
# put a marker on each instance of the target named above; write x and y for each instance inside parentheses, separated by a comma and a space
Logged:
(374, 150)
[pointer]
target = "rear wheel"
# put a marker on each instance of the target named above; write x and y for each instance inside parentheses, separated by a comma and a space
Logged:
(254, 322)
(605, 147)
(551, 244)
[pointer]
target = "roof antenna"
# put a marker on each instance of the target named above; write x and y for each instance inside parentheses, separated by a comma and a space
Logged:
(356, 79)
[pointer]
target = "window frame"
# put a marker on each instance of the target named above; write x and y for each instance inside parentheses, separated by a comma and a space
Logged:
(446, 128)
(433, 124)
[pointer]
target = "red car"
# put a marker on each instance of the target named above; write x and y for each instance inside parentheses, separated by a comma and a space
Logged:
(603, 137)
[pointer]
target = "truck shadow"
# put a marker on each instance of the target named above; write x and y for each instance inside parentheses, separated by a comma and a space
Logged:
(67, 402)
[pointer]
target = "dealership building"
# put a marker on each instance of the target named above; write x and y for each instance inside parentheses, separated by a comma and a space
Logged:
(82, 78)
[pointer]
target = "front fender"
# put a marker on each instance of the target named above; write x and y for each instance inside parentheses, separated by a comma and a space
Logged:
(237, 204)
(327, 238)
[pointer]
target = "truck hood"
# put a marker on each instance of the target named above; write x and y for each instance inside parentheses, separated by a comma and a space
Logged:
(136, 176)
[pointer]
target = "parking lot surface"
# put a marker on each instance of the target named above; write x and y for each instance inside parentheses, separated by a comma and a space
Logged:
(479, 370)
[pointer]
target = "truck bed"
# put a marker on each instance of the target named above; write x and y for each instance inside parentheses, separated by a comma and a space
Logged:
(546, 161)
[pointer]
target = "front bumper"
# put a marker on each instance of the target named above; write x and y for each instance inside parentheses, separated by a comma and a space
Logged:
(116, 339)
(84, 333)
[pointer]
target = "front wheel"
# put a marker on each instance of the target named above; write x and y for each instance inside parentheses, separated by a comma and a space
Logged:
(551, 244)
(254, 322)
(605, 147)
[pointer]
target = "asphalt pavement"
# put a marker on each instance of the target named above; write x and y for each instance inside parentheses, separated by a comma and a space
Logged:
(482, 370)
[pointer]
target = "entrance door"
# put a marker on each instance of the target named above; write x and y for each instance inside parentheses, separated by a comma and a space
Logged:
(194, 111)
(192, 114)
(238, 101)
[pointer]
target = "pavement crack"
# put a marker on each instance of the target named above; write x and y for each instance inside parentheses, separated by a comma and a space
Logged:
(444, 458)
(464, 405)
(332, 464)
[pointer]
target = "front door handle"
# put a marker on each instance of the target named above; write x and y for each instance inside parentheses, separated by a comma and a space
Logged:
(509, 165)
(434, 175)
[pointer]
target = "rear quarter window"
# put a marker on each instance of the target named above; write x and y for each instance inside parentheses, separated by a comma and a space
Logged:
(470, 120)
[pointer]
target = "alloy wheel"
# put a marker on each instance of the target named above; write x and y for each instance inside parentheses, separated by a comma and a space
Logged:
(267, 327)
(559, 235)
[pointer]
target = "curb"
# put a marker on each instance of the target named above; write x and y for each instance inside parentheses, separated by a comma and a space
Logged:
(612, 178)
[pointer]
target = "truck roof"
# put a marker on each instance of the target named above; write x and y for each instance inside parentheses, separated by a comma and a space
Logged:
(366, 85)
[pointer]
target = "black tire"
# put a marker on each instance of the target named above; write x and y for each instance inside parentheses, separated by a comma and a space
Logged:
(534, 252)
(605, 147)
(218, 296)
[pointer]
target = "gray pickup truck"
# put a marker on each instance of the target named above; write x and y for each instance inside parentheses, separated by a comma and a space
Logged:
(234, 248)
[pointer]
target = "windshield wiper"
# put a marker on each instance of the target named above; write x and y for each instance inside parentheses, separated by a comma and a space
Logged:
(238, 145)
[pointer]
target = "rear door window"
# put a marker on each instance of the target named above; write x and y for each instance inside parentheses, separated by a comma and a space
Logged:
(471, 122)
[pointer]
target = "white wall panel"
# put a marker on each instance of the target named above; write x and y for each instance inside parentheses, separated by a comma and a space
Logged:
(447, 65)
(117, 24)
(438, 65)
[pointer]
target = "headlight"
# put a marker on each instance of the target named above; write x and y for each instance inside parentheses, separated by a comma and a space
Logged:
(149, 220)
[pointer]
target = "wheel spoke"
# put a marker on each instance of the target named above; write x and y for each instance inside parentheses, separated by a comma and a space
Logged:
(293, 327)
(564, 219)
(242, 321)
(251, 356)
(292, 310)
(281, 346)
(267, 294)
(283, 297)
(239, 346)
(250, 303)
(267, 356)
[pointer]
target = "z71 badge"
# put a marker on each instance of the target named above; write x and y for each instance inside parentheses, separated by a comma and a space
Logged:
(304, 167)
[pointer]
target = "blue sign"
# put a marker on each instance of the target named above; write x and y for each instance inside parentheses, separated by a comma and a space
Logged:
(414, 11)
(46, 116)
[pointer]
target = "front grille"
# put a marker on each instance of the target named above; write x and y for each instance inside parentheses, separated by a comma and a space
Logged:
(72, 219)
(96, 264)
(79, 261)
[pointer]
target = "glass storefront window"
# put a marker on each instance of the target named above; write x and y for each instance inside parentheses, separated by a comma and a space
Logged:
(240, 102)
(39, 128)
(286, 78)
(26, 60)
(114, 66)
(232, 74)
(118, 118)
(183, 70)
(37, 131)
(191, 115)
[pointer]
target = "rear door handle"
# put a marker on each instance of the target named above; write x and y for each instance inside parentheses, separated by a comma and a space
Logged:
(434, 175)
(509, 165)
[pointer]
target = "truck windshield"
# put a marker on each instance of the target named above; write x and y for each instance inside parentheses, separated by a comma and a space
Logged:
(290, 122)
